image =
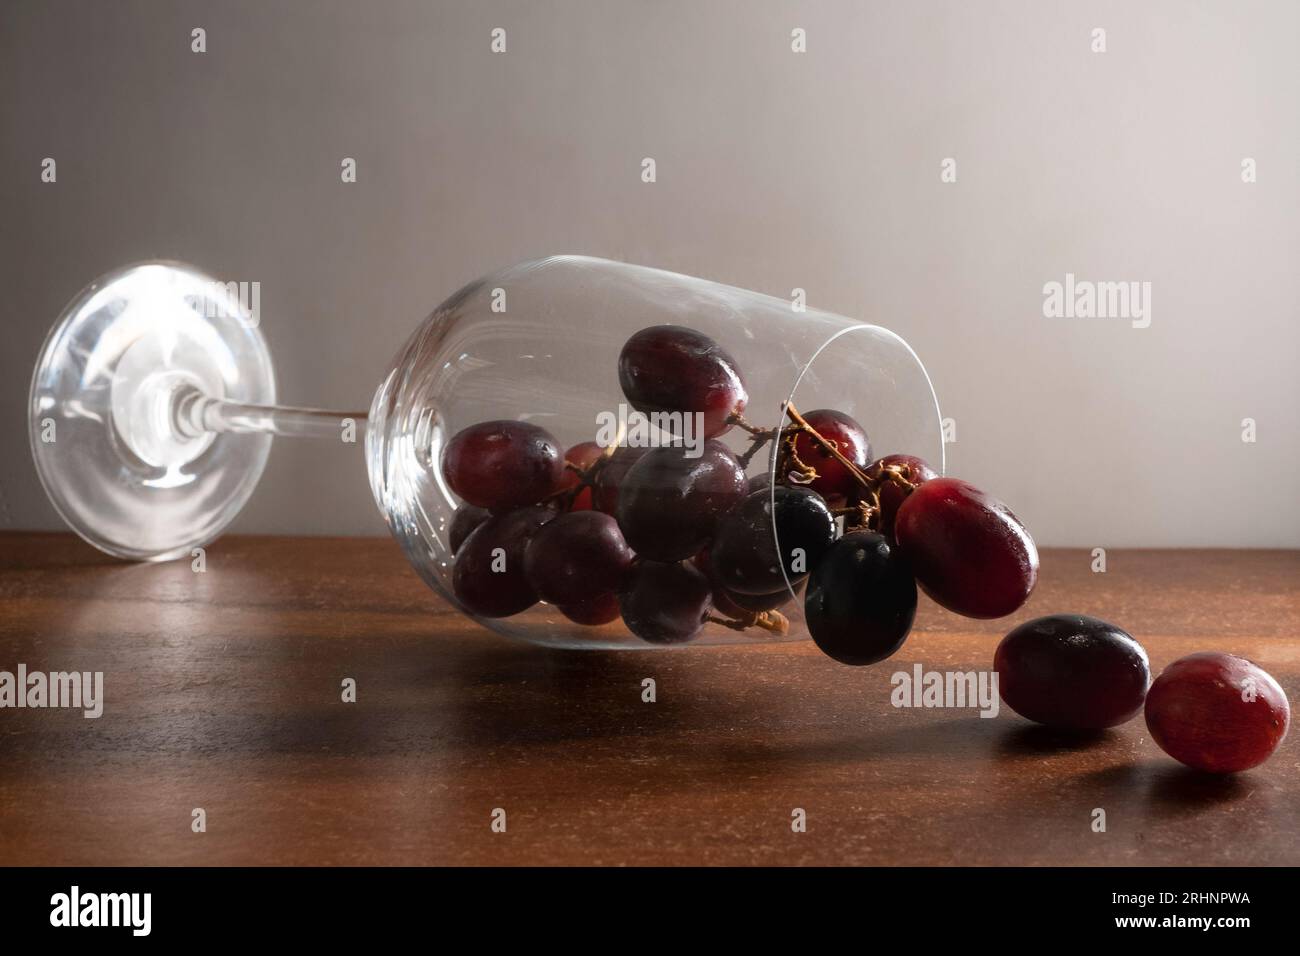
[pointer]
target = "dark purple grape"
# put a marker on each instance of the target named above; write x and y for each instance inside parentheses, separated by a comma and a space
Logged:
(834, 481)
(610, 478)
(576, 557)
(748, 558)
(1072, 672)
(734, 605)
(966, 548)
(670, 368)
(665, 603)
(892, 494)
(762, 602)
(601, 609)
(503, 464)
(724, 605)
(463, 522)
(669, 503)
(760, 482)
(488, 577)
(861, 599)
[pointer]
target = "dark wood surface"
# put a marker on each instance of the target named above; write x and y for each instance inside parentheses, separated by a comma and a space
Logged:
(223, 692)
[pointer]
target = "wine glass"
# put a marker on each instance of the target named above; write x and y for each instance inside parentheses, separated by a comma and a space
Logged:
(153, 402)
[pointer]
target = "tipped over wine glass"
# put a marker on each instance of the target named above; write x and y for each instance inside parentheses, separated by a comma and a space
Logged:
(575, 451)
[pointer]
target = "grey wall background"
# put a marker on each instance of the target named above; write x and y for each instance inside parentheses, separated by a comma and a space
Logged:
(775, 170)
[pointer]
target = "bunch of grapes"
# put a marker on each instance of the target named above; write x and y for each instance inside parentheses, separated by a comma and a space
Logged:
(673, 538)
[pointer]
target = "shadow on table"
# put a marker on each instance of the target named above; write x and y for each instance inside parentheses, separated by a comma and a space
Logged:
(1037, 740)
(1182, 789)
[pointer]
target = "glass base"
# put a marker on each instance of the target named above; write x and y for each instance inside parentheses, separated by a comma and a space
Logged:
(102, 410)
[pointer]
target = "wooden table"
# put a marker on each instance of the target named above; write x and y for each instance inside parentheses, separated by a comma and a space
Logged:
(223, 692)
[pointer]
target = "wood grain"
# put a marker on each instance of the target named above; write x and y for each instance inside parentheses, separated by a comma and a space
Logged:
(223, 692)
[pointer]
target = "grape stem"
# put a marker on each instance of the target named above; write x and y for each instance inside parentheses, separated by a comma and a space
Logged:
(755, 431)
(801, 472)
(861, 515)
(586, 479)
(795, 468)
(829, 447)
(773, 621)
(866, 512)
(758, 437)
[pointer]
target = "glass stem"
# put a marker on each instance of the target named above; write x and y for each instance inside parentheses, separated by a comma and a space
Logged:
(194, 413)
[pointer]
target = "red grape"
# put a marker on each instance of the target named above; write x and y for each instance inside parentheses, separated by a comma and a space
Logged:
(503, 464)
(892, 494)
(463, 522)
(1072, 672)
(748, 557)
(861, 600)
(670, 368)
(1217, 712)
(669, 503)
(610, 477)
(488, 577)
(967, 550)
(733, 604)
(665, 603)
(834, 481)
(581, 456)
(576, 557)
(601, 609)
